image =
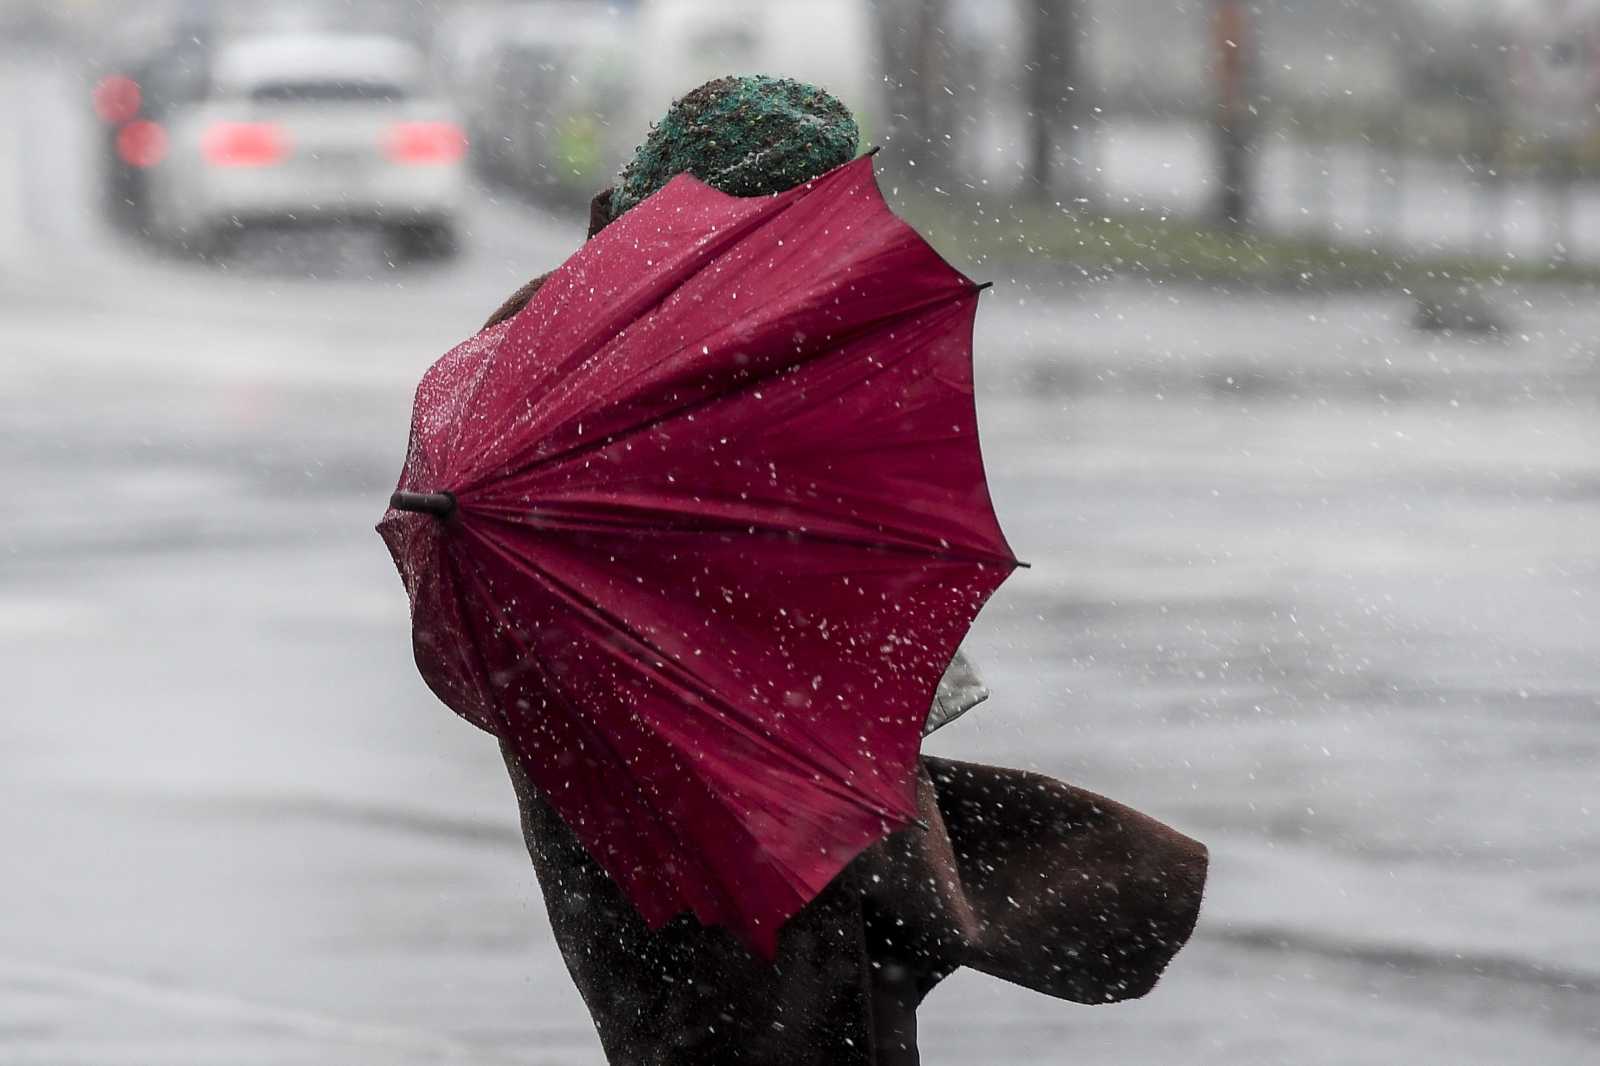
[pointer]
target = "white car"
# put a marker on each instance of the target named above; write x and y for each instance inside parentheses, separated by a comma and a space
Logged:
(312, 127)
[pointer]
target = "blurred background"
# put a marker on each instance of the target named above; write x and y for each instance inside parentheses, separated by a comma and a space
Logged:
(1289, 385)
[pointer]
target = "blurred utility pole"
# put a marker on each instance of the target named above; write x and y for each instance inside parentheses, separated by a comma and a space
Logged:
(930, 55)
(914, 42)
(1486, 153)
(1233, 41)
(1053, 80)
(1559, 170)
(1555, 74)
(1384, 132)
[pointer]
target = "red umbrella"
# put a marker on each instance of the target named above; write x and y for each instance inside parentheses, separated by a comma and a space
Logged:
(696, 533)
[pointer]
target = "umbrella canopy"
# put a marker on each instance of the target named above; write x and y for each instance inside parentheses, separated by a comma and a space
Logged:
(697, 532)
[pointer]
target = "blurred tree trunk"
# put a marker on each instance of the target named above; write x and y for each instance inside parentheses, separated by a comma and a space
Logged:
(930, 61)
(914, 46)
(1233, 44)
(1052, 88)
(1559, 170)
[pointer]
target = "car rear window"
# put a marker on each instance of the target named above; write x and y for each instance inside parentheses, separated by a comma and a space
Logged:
(325, 91)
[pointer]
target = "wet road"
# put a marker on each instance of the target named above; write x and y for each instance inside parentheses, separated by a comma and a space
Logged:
(1311, 587)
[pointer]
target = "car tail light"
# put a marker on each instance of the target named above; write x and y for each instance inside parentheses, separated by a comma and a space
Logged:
(425, 142)
(244, 144)
(141, 144)
(117, 99)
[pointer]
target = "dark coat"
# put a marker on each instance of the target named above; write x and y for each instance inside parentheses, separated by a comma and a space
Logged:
(1018, 875)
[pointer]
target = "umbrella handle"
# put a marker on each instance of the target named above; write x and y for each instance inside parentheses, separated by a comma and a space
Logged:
(438, 504)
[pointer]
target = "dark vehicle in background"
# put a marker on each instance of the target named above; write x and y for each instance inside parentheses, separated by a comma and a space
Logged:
(549, 98)
(557, 93)
(135, 101)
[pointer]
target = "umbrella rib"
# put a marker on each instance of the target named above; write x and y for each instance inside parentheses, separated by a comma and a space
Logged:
(753, 526)
(482, 667)
(706, 696)
(898, 540)
(596, 735)
(826, 784)
(753, 382)
(708, 253)
(740, 234)
(479, 376)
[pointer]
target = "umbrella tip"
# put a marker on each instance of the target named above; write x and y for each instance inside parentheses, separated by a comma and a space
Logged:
(870, 152)
(438, 504)
(985, 285)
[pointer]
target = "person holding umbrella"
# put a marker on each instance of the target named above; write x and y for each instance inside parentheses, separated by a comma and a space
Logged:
(695, 526)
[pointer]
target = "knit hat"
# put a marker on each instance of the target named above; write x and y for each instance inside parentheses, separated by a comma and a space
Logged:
(745, 136)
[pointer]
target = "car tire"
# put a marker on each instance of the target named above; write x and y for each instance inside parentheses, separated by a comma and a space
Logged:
(428, 240)
(209, 241)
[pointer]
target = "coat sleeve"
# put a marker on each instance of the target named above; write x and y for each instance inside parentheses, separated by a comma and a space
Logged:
(599, 218)
(1074, 895)
(515, 302)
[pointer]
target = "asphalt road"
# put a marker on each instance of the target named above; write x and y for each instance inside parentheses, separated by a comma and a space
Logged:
(1314, 588)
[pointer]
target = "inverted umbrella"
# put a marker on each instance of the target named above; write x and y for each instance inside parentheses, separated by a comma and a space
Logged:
(697, 531)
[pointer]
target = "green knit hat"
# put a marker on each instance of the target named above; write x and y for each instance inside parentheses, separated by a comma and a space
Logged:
(746, 136)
